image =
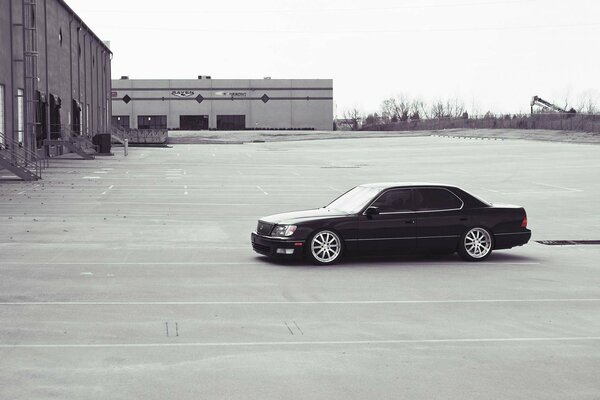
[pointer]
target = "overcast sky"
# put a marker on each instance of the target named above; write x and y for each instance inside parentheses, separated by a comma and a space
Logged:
(492, 54)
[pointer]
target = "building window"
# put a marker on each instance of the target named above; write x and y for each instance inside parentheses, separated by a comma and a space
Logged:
(2, 116)
(121, 122)
(231, 122)
(152, 122)
(20, 115)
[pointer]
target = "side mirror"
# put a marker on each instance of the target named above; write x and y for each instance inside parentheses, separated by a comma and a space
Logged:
(372, 211)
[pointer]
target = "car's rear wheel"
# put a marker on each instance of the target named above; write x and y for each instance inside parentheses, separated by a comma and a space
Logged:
(325, 247)
(476, 244)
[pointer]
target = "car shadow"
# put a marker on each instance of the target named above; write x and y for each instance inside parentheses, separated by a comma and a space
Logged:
(413, 259)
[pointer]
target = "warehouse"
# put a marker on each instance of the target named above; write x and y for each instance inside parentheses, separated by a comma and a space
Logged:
(54, 77)
(222, 104)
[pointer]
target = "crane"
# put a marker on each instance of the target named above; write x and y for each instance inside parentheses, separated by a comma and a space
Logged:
(538, 101)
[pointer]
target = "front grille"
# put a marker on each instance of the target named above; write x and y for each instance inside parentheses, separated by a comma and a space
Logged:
(261, 248)
(264, 228)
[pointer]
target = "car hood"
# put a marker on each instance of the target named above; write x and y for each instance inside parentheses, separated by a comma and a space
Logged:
(295, 217)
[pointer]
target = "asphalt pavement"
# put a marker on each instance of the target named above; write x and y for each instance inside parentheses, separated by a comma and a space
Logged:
(133, 277)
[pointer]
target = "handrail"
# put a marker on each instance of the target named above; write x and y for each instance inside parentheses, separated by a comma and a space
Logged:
(77, 138)
(21, 161)
(19, 147)
(118, 134)
(30, 159)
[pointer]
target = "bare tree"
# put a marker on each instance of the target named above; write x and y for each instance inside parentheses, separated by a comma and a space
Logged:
(396, 108)
(587, 104)
(438, 109)
(354, 116)
(401, 105)
(455, 108)
(387, 110)
(418, 110)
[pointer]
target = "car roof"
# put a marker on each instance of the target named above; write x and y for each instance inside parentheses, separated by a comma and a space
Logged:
(387, 185)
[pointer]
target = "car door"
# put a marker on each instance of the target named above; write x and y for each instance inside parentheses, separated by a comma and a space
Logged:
(393, 229)
(441, 219)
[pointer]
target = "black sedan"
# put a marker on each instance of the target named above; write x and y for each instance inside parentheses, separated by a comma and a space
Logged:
(388, 218)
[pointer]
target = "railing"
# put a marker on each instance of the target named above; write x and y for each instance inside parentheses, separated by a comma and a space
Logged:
(83, 142)
(118, 135)
(74, 137)
(22, 157)
(142, 136)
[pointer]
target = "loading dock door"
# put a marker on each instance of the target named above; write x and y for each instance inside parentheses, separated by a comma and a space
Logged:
(55, 127)
(231, 122)
(193, 122)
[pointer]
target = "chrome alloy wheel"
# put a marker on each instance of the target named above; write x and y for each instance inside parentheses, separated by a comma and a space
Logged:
(478, 243)
(325, 247)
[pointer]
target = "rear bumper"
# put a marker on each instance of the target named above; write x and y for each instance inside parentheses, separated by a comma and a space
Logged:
(511, 239)
(271, 247)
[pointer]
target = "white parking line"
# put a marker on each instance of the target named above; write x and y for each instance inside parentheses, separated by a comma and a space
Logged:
(261, 189)
(400, 263)
(308, 343)
(558, 187)
(110, 187)
(288, 303)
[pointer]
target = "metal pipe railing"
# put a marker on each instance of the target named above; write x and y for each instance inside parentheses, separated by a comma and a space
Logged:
(22, 156)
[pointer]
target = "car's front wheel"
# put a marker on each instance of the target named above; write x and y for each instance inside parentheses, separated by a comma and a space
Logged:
(476, 244)
(325, 247)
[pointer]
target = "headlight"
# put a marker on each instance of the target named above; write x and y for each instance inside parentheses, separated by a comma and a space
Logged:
(284, 230)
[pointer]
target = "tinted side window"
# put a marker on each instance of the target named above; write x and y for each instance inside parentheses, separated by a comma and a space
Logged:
(436, 199)
(394, 201)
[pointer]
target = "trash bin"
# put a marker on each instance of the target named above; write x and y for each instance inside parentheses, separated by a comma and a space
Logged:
(103, 141)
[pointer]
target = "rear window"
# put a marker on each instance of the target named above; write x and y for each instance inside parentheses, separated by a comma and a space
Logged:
(436, 199)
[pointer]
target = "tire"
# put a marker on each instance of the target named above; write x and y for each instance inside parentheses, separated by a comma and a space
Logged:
(476, 244)
(324, 248)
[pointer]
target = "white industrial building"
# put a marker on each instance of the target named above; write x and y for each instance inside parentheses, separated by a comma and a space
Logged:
(222, 104)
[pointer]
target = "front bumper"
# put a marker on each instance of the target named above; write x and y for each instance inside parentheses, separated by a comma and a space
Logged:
(277, 247)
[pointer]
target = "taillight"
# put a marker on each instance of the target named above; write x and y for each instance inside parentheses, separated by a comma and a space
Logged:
(524, 223)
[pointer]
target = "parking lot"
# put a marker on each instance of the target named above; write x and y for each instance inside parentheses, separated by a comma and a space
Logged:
(133, 277)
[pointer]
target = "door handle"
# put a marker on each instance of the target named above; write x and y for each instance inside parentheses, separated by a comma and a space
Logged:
(412, 221)
(464, 219)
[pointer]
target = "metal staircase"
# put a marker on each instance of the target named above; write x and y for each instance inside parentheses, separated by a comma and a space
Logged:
(80, 145)
(20, 161)
(117, 135)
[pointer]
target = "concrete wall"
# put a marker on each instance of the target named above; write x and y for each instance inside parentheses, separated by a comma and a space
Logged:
(76, 67)
(292, 104)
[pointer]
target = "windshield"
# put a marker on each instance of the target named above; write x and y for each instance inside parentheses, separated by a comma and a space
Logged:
(355, 199)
